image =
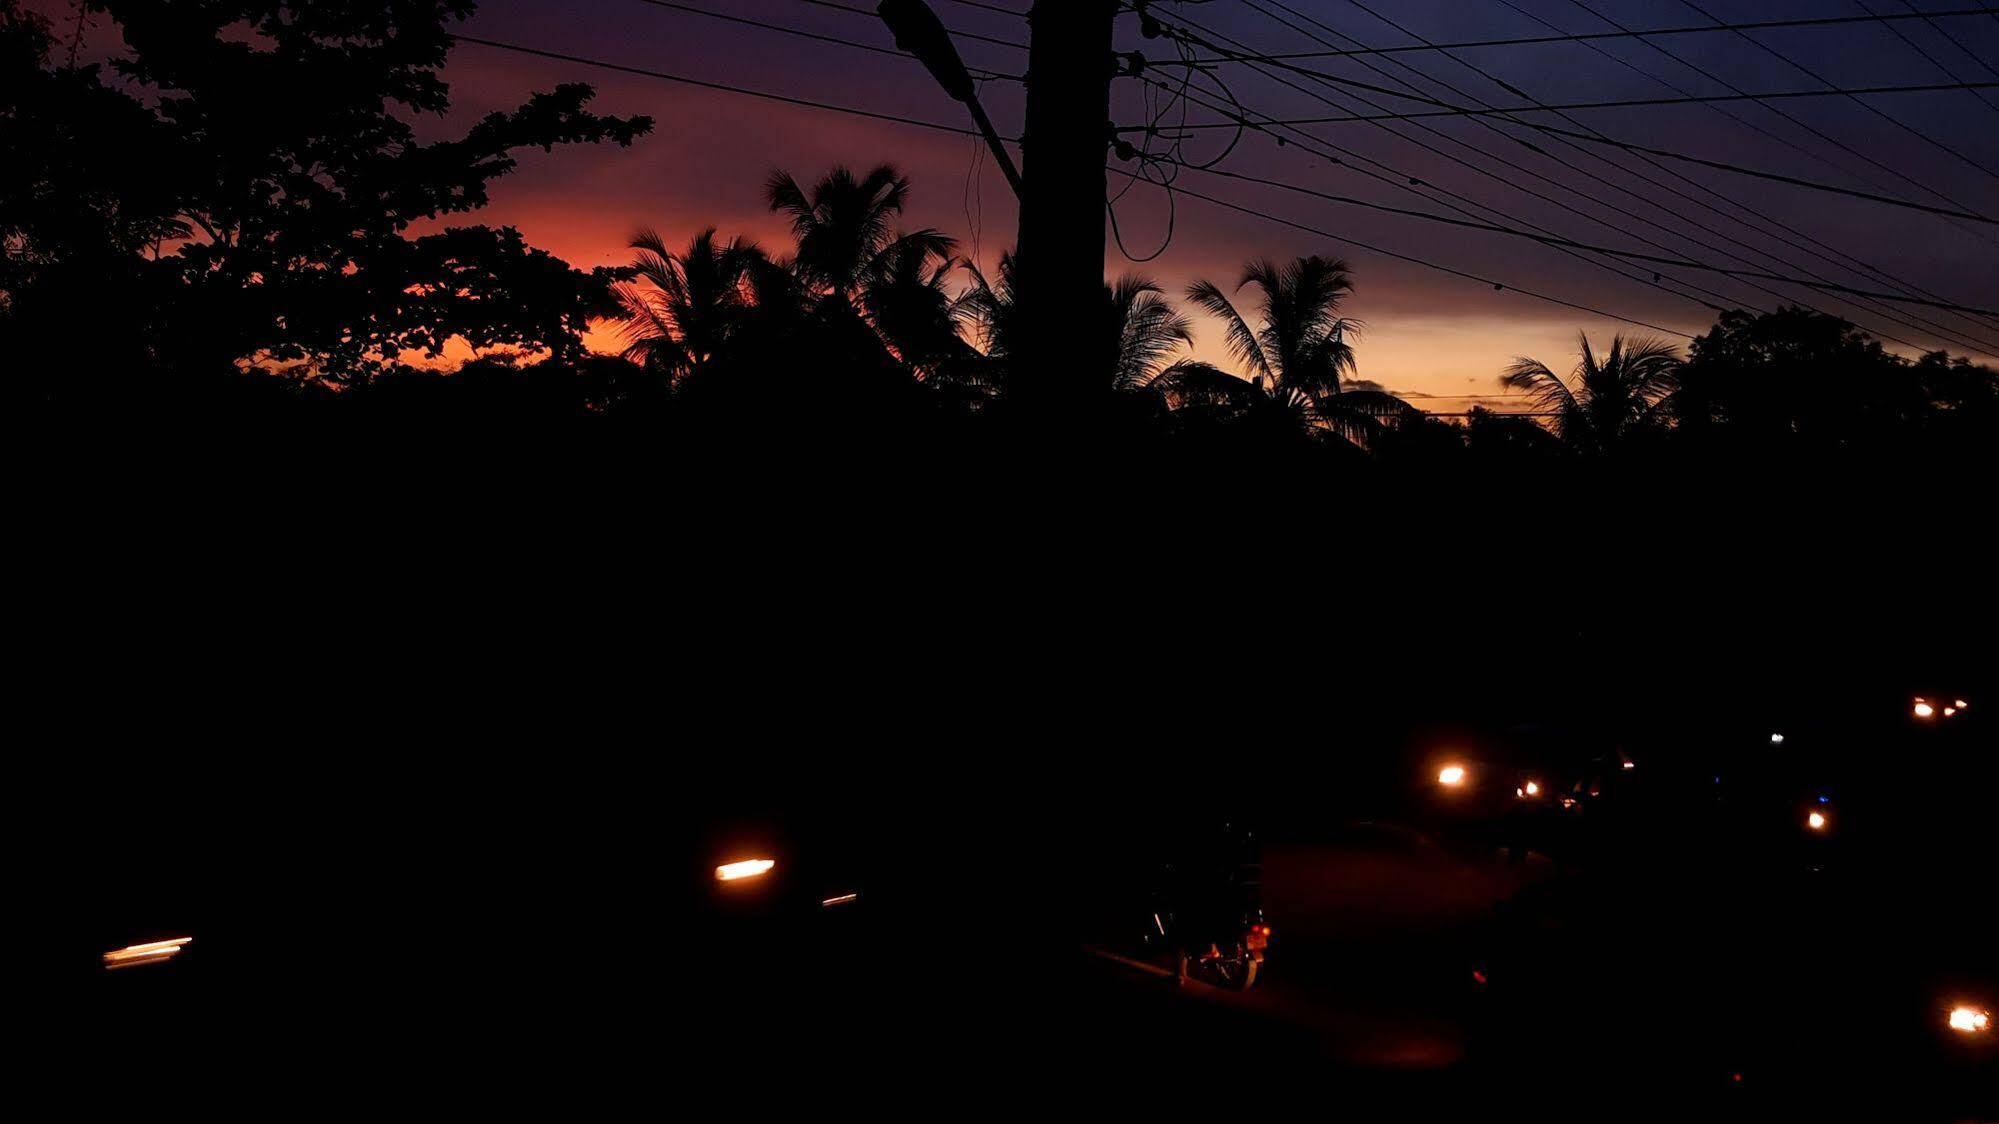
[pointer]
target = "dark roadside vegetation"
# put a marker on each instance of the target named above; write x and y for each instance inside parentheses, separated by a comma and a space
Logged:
(419, 695)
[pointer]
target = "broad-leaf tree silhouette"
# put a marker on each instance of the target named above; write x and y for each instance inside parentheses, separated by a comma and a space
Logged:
(281, 177)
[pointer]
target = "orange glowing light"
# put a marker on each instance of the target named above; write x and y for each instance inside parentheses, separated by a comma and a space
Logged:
(1451, 776)
(1532, 788)
(152, 952)
(1816, 821)
(1961, 704)
(1969, 1020)
(1924, 709)
(748, 868)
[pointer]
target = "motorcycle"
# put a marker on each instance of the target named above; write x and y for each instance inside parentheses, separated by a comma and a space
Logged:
(1207, 914)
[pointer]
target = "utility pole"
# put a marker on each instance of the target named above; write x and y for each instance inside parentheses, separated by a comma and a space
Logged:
(1060, 253)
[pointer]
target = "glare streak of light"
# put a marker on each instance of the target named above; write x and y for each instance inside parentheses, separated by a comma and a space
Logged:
(1969, 1020)
(747, 868)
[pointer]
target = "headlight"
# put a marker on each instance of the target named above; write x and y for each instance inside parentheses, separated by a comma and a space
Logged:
(153, 952)
(1970, 1020)
(747, 868)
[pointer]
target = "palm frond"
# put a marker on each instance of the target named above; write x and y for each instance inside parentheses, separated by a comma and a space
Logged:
(1242, 341)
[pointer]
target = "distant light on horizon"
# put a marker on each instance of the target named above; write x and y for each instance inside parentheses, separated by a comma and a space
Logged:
(1776, 739)
(1451, 776)
(1924, 709)
(1816, 821)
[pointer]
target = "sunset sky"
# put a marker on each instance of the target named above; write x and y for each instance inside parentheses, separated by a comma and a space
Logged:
(1426, 332)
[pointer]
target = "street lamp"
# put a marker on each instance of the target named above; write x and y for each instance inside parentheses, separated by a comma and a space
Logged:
(918, 31)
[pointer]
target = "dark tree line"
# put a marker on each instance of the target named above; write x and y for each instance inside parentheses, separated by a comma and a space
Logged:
(219, 225)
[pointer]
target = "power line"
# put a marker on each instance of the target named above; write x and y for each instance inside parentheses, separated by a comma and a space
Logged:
(1656, 278)
(1006, 11)
(1955, 41)
(1718, 165)
(1842, 146)
(955, 33)
(1672, 57)
(1404, 181)
(1907, 320)
(1947, 72)
(1851, 95)
(1450, 110)
(831, 108)
(940, 127)
(1621, 34)
(1623, 103)
(1426, 263)
(1825, 251)
(722, 87)
(1554, 240)
(803, 34)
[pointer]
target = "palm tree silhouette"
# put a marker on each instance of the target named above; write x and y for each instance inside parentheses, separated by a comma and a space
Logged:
(846, 229)
(1300, 354)
(1604, 402)
(685, 308)
(907, 302)
(1141, 329)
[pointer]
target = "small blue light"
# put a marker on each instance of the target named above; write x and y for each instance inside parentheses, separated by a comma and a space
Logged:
(1825, 799)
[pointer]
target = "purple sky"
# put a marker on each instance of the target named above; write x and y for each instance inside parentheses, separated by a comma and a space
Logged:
(1427, 332)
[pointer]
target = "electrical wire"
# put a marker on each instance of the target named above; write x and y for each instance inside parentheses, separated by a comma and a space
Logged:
(1852, 96)
(721, 87)
(1553, 240)
(1901, 318)
(851, 10)
(1620, 34)
(1824, 251)
(1745, 122)
(1498, 286)
(1408, 182)
(1448, 110)
(1934, 61)
(1835, 142)
(1656, 277)
(814, 35)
